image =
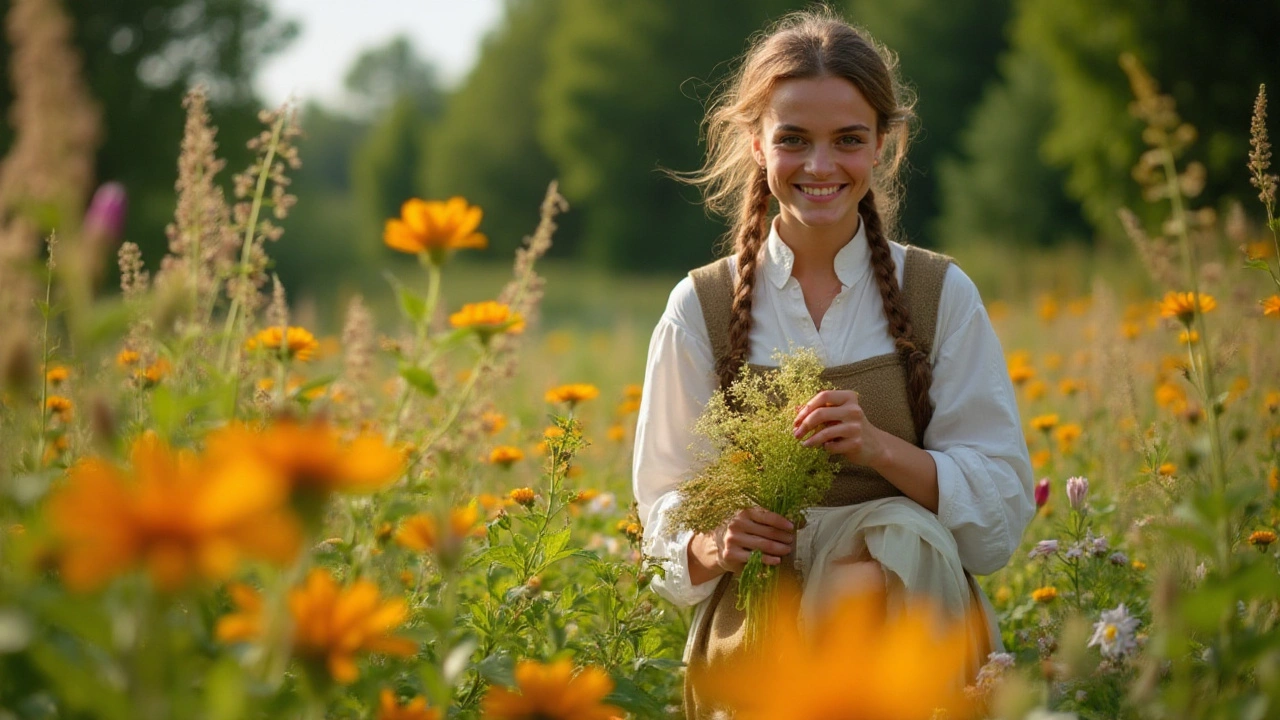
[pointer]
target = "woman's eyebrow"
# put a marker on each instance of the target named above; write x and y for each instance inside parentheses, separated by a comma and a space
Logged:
(839, 131)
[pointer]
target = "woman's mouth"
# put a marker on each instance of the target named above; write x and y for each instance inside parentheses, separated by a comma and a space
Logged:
(820, 193)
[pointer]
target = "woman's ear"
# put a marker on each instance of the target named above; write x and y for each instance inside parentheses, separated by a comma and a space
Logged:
(879, 144)
(757, 152)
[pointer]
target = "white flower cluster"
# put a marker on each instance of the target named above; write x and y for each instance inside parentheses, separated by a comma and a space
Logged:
(1115, 633)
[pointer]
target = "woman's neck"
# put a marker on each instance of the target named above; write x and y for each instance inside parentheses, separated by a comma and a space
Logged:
(815, 249)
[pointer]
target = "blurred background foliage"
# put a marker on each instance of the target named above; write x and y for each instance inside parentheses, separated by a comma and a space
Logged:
(1024, 139)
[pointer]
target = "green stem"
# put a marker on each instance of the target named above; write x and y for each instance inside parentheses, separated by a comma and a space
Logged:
(264, 174)
(44, 371)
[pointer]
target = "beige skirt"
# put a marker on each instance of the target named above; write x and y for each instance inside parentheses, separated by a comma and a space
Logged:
(919, 558)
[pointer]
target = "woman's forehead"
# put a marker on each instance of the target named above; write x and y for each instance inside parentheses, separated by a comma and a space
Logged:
(822, 104)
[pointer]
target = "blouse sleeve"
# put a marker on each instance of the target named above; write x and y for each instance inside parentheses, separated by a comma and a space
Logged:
(985, 483)
(679, 379)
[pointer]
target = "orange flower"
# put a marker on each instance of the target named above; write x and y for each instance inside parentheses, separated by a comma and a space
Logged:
(297, 343)
(1046, 594)
(617, 433)
(434, 227)
(1183, 305)
(127, 357)
(419, 532)
(853, 663)
(179, 516)
(416, 709)
(151, 375)
(1066, 435)
(552, 692)
(57, 374)
(313, 457)
(506, 455)
(488, 319)
(524, 496)
(59, 406)
(493, 422)
(1261, 538)
(331, 624)
(1044, 423)
(1271, 306)
(572, 394)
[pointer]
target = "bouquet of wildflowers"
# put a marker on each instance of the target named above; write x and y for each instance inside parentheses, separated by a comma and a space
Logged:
(756, 460)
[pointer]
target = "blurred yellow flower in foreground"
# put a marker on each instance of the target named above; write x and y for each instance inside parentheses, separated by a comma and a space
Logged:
(853, 663)
(431, 226)
(572, 394)
(331, 624)
(1046, 594)
(552, 692)
(313, 456)
(57, 374)
(419, 532)
(416, 709)
(1271, 306)
(488, 318)
(296, 342)
(505, 455)
(59, 406)
(1183, 305)
(178, 516)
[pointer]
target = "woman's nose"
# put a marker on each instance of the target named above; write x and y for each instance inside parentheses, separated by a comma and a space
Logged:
(820, 163)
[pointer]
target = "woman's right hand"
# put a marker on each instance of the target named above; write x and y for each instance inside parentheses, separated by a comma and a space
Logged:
(729, 546)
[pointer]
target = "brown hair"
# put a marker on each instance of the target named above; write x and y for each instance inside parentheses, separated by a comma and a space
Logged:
(809, 44)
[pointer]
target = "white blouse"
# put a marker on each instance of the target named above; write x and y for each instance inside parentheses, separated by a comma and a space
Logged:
(975, 437)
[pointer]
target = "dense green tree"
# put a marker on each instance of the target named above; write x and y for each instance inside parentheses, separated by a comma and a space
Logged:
(486, 147)
(382, 76)
(140, 56)
(621, 102)
(947, 53)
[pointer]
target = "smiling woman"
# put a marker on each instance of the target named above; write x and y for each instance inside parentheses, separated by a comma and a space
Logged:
(933, 479)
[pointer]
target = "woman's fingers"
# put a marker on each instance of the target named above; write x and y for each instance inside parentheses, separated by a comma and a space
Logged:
(767, 517)
(827, 416)
(825, 399)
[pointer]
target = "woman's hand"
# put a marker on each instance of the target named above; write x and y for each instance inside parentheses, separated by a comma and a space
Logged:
(834, 420)
(728, 548)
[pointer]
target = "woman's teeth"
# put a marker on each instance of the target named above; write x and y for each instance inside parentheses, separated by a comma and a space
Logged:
(820, 192)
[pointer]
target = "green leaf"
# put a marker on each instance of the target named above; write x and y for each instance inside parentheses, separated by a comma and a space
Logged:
(420, 379)
(1257, 264)
(81, 684)
(553, 544)
(503, 555)
(413, 305)
(498, 669)
(225, 691)
(631, 697)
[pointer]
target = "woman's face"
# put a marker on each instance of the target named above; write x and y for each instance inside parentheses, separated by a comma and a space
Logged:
(818, 143)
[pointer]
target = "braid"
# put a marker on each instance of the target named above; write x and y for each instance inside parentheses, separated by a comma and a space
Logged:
(750, 237)
(916, 362)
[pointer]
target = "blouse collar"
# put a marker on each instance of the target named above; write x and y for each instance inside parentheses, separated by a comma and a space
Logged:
(852, 262)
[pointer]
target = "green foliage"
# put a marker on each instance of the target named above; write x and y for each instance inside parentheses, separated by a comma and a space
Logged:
(485, 147)
(385, 169)
(380, 77)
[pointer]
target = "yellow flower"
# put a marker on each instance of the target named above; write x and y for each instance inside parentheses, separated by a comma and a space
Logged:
(492, 504)
(632, 392)
(1138, 565)
(435, 227)
(552, 692)
(1020, 374)
(313, 457)
(626, 407)
(1066, 435)
(572, 394)
(506, 455)
(1130, 330)
(59, 406)
(296, 342)
(1003, 595)
(1044, 423)
(524, 496)
(617, 433)
(488, 319)
(127, 357)
(1271, 306)
(1070, 386)
(1171, 396)
(1048, 308)
(1040, 458)
(1262, 538)
(416, 709)
(330, 624)
(57, 374)
(1259, 250)
(1188, 337)
(179, 517)
(1046, 594)
(853, 663)
(1036, 390)
(1183, 305)
(1273, 478)
(1167, 469)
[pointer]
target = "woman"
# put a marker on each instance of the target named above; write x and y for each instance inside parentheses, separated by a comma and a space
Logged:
(935, 481)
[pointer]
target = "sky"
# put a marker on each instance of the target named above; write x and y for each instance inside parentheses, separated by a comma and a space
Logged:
(335, 32)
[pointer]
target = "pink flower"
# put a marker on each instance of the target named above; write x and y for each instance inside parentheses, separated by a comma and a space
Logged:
(105, 216)
(1042, 492)
(1077, 491)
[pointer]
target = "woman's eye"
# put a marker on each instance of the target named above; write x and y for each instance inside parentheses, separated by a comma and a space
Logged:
(850, 140)
(789, 140)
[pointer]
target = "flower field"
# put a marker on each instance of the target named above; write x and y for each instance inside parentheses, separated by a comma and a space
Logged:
(210, 510)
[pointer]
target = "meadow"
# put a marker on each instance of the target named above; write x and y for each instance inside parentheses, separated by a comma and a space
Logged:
(211, 509)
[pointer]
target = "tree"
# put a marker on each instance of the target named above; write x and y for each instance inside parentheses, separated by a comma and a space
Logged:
(140, 56)
(486, 146)
(381, 77)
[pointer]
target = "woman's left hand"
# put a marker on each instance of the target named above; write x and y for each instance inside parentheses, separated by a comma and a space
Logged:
(837, 423)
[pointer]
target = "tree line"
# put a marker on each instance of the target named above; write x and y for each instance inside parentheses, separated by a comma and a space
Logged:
(1024, 135)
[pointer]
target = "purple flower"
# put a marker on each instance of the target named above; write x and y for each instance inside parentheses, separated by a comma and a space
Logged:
(1119, 558)
(105, 217)
(1042, 492)
(1044, 548)
(1098, 546)
(1075, 552)
(1077, 491)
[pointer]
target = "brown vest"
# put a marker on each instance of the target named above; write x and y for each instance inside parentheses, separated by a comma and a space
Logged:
(881, 382)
